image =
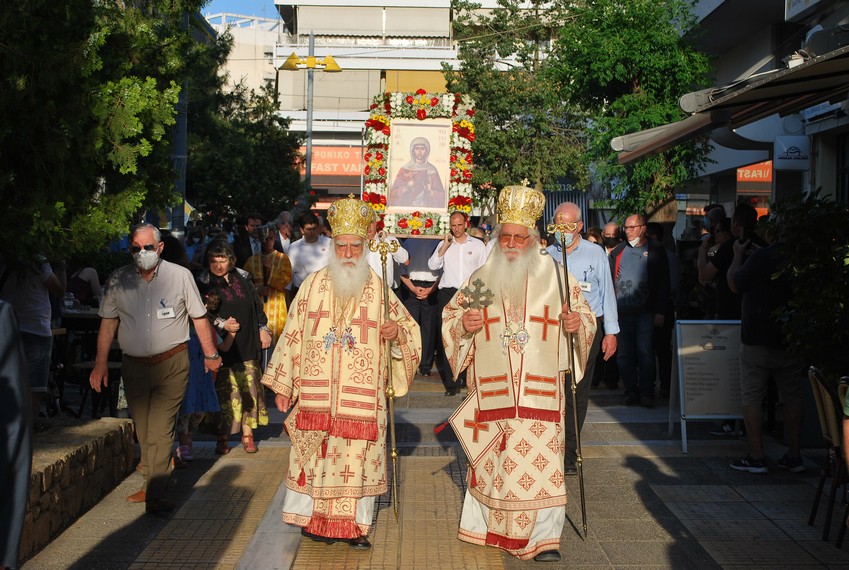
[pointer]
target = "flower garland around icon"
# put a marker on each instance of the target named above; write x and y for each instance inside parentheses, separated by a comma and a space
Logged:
(420, 105)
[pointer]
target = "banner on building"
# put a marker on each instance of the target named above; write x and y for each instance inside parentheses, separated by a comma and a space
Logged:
(792, 153)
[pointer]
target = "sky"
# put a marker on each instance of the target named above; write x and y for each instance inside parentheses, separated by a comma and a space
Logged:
(263, 8)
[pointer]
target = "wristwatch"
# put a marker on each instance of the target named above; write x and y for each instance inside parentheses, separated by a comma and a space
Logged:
(213, 356)
(218, 323)
(265, 328)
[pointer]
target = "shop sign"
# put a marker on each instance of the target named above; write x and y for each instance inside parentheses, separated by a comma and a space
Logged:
(791, 153)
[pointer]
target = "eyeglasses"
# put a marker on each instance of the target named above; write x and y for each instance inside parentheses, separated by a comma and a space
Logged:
(633, 227)
(148, 247)
(505, 238)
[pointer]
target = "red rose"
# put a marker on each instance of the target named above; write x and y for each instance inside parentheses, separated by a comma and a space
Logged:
(380, 224)
(416, 214)
(373, 106)
(420, 92)
(471, 137)
(467, 175)
(379, 156)
(428, 223)
(434, 102)
(470, 112)
(455, 128)
(453, 158)
(421, 114)
(367, 169)
(415, 232)
(402, 223)
(367, 157)
(387, 106)
(409, 99)
(381, 171)
(386, 130)
(453, 172)
(366, 197)
(382, 199)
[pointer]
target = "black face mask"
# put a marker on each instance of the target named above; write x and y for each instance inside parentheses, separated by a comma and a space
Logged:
(611, 241)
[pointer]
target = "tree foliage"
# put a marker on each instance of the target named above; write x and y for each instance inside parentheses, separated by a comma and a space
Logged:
(626, 63)
(86, 106)
(815, 253)
(522, 128)
(242, 158)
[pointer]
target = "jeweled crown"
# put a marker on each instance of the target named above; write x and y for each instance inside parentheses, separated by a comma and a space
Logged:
(520, 205)
(350, 216)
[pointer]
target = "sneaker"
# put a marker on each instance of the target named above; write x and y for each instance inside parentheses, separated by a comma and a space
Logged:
(726, 429)
(750, 464)
(184, 453)
(792, 464)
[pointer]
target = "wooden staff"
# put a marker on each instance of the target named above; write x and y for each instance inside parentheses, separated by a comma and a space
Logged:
(579, 460)
(385, 247)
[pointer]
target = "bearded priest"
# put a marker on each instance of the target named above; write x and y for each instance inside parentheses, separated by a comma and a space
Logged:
(330, 369)
(508, 326)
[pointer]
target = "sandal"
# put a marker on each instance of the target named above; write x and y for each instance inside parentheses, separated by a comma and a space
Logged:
(223, 447)
(248, 442)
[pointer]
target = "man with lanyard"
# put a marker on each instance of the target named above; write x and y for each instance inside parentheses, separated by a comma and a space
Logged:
(589, 264)
(149, 304)
(458, 256)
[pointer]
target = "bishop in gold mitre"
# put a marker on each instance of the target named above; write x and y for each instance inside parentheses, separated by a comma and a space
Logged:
(515, 352)
(330, 368)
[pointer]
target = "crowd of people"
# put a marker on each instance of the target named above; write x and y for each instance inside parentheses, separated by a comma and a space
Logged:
(506, 316)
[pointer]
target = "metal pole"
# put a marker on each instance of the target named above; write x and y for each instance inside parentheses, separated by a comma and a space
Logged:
(570, 372)
(310, 76)
(385, 247)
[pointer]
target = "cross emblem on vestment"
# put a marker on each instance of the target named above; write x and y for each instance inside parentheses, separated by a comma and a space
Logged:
(347, 473)
(487, 320)
(364, 324)
(546, 322)
(318, 315)
(476, 425)
(334, 455)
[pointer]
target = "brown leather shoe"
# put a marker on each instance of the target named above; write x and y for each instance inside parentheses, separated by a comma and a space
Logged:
(137, 497)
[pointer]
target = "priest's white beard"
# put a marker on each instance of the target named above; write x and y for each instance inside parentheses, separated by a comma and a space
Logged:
(510, 276)
(348, 280)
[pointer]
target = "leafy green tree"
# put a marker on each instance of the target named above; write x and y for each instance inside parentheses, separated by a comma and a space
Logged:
(242, 158)
(523, 130)
(626, 63)
(815, 254)
(86, 107)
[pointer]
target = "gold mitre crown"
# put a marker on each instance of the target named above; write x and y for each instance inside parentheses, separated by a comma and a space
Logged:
(520, 205)
(350, 216)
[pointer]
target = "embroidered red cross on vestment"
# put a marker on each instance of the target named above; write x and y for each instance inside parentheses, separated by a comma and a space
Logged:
(487, 320)
(364, 323)
(318, 315)
(476, 425)
(546, 322)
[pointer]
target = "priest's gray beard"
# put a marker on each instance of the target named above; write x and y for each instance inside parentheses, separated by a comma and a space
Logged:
(510, 276)
(348, 281)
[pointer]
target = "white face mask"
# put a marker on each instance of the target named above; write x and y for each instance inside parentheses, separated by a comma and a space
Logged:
(146, 260)
(634, 242)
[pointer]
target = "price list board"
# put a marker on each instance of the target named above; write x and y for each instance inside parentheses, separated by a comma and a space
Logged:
(708, 371)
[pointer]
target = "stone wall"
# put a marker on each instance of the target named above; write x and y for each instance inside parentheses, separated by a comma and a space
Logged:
(75, 463)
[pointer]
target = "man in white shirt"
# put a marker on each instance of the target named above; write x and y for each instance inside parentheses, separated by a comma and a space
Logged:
(401, 257)
(458, 256)
(311, 252)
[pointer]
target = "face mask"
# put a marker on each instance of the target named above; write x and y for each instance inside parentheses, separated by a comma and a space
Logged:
(611, 242)
(146, 260)
(634, 242)
(567, 239)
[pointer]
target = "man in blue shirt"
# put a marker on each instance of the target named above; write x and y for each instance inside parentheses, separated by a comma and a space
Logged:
(589, 264)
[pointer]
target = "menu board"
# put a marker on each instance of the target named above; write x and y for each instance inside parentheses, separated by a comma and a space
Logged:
(709, 369)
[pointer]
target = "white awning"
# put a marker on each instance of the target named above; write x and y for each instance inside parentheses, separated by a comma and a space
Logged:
(345, 21)
(418, 22)
(785, 91)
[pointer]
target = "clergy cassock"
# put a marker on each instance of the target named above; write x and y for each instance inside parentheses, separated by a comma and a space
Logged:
(332, 361)
(511, 423)
(276, 275)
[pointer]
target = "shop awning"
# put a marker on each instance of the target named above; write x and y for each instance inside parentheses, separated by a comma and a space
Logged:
(784, 91)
